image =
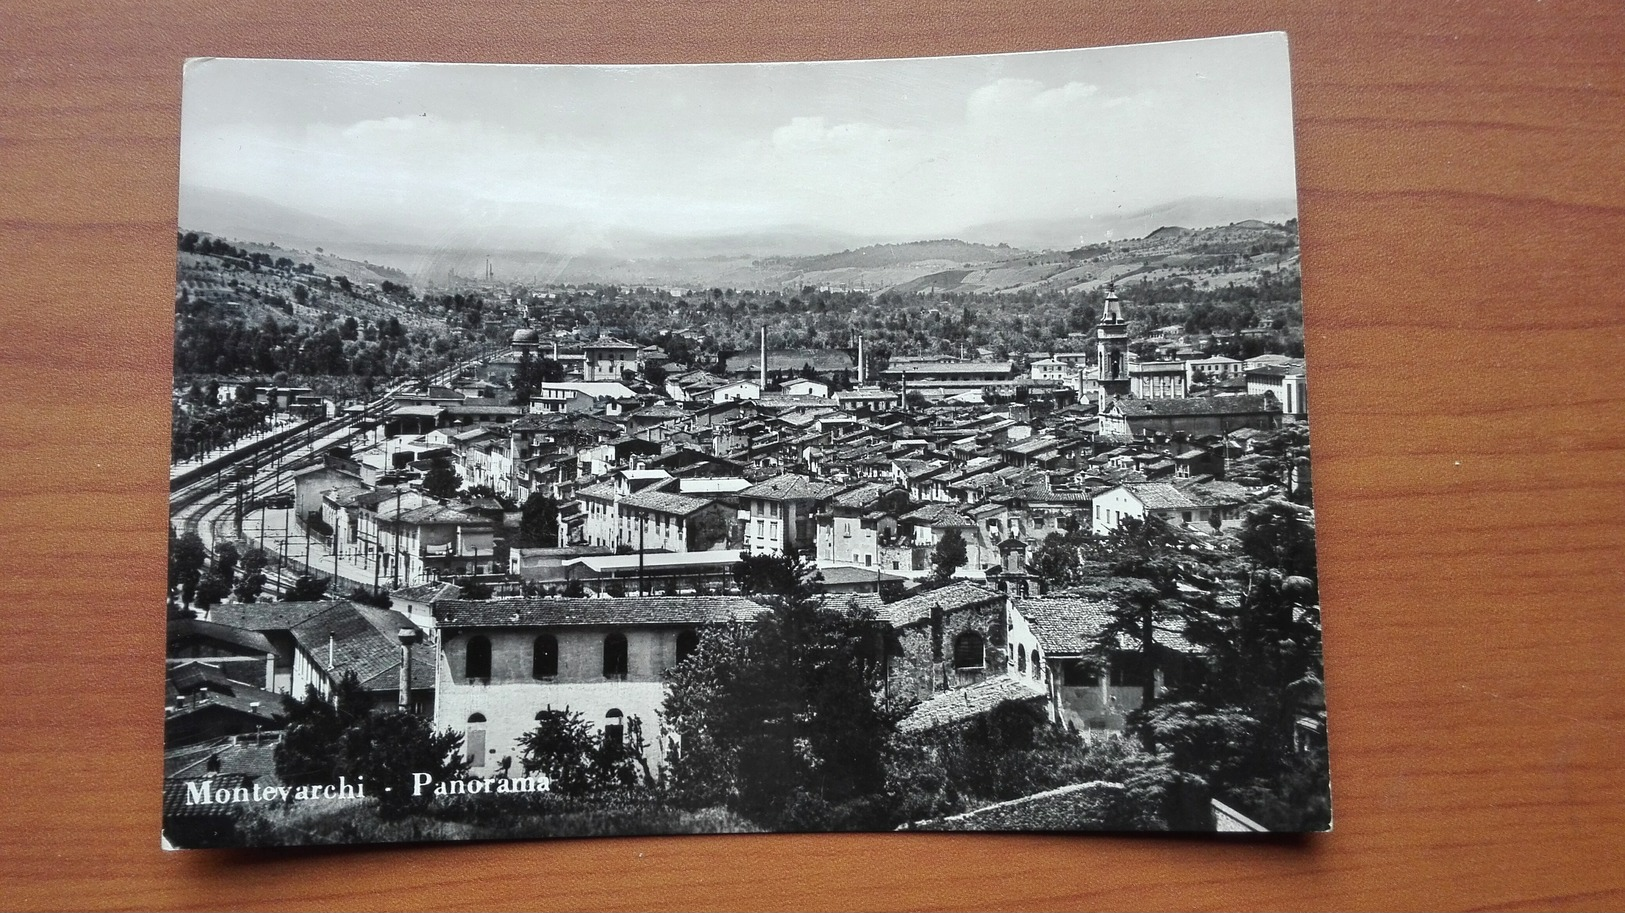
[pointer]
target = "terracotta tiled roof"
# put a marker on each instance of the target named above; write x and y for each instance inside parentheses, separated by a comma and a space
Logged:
(1065, 627)
(441, 514)
(789, 487)
(426, 592)
(632, 610)
(1071, 626)
(1070, 808)
(268, 616)
(175, 796)
(267, 706)
(1204, 405)
(861, 495)
(235, 756)
(665, 502)
(252, 641)
(1160, 496)
(822, 360)
(951, 598)
(602, 491)
(938, 515)
(961, 704)
(364, 641)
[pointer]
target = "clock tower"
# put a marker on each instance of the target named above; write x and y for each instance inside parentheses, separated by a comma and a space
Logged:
(1111, 348)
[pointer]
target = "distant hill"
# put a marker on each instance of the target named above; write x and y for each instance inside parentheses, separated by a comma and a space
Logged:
(228, 214)
(1007, 256)
(1069, 233)
(882, 255)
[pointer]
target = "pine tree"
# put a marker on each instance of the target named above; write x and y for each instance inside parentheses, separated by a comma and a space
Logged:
(441, 481)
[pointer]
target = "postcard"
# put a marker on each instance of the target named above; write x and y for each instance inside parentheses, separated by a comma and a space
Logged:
(877, 445)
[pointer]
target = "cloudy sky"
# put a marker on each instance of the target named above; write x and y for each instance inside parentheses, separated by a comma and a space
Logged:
(895, 149)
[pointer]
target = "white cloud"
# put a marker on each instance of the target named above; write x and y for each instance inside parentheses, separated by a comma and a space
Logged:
(898, 148)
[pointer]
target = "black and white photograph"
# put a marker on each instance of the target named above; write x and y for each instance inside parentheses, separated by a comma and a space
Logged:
(870, 445)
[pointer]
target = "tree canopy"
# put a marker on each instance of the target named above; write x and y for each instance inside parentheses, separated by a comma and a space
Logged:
(775, 717)
(949, 555)
(441, 481)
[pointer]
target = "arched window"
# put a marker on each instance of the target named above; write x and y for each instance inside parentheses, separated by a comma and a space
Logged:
(687, 642)
(477, 662)
(1021, 660)
(968, 651)
(474, 739)
(545, 660)
(615, 656)
(614, 729)
(1038, 671)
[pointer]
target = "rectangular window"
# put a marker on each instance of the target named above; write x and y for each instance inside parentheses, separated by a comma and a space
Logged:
(1075, 674)
(1129, 671)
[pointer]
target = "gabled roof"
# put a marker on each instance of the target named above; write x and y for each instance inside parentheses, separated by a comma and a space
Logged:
(565, 421)
(192, 689)
(437, 514)
(842, 575)
(951, 367)
(1069, 808)
(1185, 496)
(861, 495)
(176, 806)
(665, 502)
(822, 360)
(234, 756)
(938, 514)
(483, 407)
(1065, 627)
(252, 641)
(1159, 496)
(961, 704)
(601, 491)
(364, 641)
(1202, 405)
(268, 616)
(789, 487)
(1071, 626)
(951, 598)
(427, 592)
(632, 610)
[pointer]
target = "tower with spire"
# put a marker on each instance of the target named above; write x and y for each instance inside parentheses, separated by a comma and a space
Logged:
(1111, 347)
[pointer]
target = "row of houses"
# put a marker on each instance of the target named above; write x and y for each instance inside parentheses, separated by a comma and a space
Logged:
(488, 668)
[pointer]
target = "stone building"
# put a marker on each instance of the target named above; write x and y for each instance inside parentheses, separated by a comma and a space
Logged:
(501, 662)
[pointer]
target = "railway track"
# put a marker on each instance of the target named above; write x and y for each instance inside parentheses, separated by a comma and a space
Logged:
(206, 504)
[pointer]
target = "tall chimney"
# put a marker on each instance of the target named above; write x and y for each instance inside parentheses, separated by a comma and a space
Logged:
(406, 636)
(764, 358)
(860, 359)
(406, 664)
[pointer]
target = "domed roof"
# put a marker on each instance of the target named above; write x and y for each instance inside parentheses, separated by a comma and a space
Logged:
(525, 335)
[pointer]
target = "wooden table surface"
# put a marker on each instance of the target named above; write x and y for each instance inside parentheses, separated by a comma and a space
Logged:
(1462, 178)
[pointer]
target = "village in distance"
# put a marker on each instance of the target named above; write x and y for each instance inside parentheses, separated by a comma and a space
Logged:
(926, 536)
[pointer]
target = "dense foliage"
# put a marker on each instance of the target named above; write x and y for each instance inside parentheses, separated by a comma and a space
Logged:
(776, 718)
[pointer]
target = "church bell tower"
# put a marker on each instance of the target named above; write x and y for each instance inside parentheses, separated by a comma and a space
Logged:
(1111, 347)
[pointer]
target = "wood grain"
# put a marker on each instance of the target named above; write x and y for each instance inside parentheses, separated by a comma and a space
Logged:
(1463, 218)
